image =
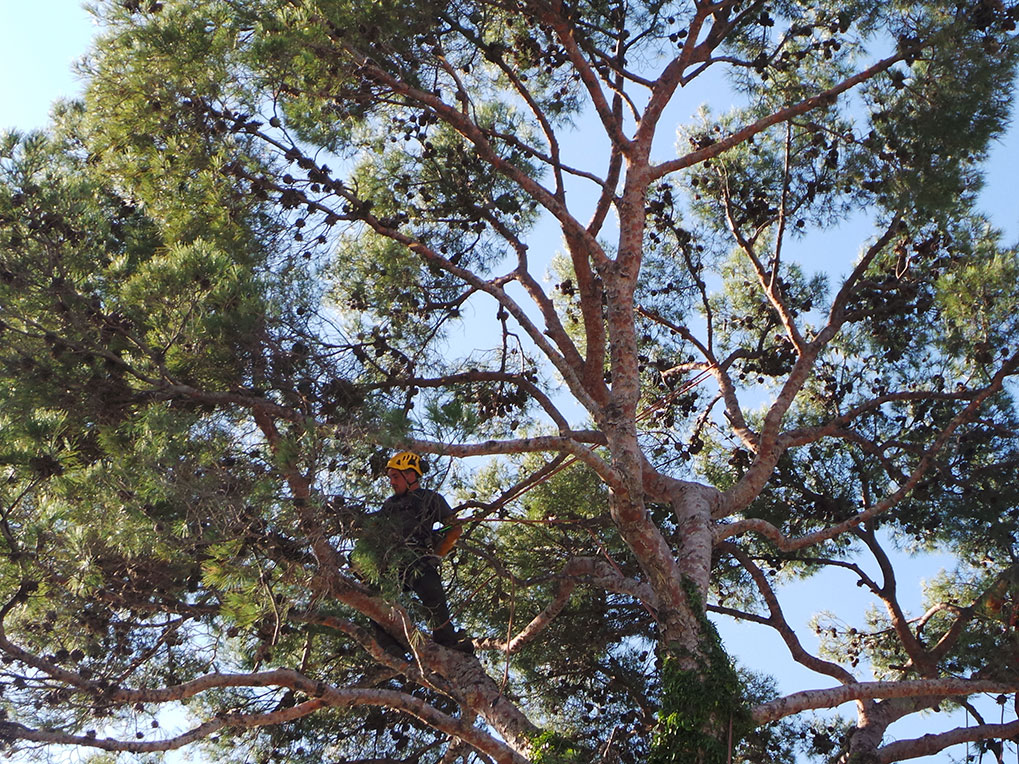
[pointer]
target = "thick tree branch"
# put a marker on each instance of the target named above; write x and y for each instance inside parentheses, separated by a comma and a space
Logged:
(471, 377)
(569, 442)
(777, 621)
(837, 313)
(473, 133)
(901, 750)
(964, 615)
(552, 15)
(834, 696)
(889, 596)
(326, 697)
(803, 435)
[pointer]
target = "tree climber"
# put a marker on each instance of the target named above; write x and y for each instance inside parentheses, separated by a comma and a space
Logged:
(406, 538)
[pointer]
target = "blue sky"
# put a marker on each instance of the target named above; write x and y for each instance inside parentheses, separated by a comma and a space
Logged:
(39, 41)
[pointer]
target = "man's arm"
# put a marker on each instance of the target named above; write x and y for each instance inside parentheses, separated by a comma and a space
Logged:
(450, 529)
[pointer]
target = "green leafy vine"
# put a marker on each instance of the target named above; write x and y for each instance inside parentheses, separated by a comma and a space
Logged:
(703, 713)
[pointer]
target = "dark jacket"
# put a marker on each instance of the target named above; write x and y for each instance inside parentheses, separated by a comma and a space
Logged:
(411, 518)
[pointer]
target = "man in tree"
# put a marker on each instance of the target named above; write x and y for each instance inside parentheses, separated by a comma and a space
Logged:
(408, 535)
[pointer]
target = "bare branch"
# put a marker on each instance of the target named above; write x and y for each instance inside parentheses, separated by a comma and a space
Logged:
(803, 435)
(470, 377)
(569, 442)
(820, 100)
(777, 621)
(327, 697)
(593, 570)
(919, 688)
(768, 281)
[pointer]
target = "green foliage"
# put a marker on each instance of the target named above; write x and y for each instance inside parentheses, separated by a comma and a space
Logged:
(974, 301)
(934, 167)
(552, 748)
(379, 557)
(703, 715)
(591, 669)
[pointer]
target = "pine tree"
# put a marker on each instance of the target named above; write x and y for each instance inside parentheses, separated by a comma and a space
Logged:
(281, 238)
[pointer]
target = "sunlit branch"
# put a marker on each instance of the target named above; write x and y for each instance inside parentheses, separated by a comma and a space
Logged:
(696, 269)
(889, 596)
(964, 615)
(733, 410)
(873, 449)
(704, 417)
(768, 281)
(569, 442)
(614, 63)
(552, 161)
(563, 354)
(837, 313)
(564, 32)
(533, 391)
(739, 615)
(782, 210)
(14, 731)
(608, 193)
(275, 678)
(591, 290)
(579, 366)
(919, 688)
(327, 697)
(554, 158)
(555, 465)
(927, 745)
(462, 94)
(476, 136)
(456, 752)
(326, 556)
(566, 358)
(371, 646)
(835, 427)
(861, 575)
(769, 447)
(168, 630)
(694, 51)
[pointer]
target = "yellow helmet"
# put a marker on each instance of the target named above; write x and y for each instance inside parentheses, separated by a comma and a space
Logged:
(405, 460)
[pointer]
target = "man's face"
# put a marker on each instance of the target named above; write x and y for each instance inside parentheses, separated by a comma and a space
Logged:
(401, 480)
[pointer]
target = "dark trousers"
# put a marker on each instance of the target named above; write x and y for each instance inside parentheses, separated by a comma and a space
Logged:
(423, 579)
